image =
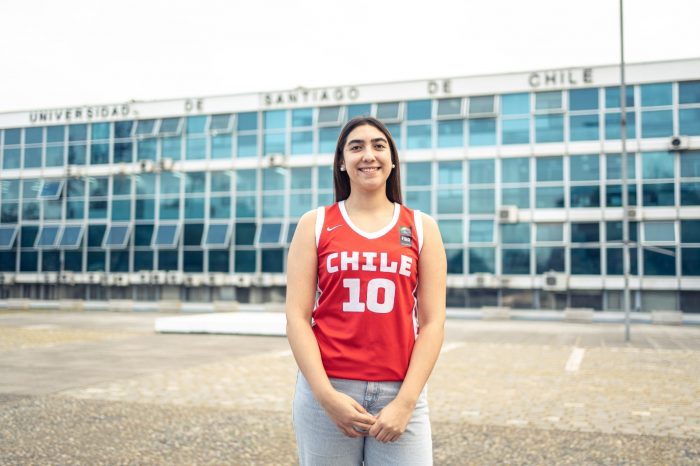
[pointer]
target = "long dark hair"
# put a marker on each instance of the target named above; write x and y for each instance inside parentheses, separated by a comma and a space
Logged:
(341, 181)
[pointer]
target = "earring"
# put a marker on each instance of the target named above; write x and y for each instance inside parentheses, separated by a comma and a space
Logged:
(393, 166)
(342, 168)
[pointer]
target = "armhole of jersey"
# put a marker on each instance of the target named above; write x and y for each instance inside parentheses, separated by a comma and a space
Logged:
(418, 220)
(320, 214)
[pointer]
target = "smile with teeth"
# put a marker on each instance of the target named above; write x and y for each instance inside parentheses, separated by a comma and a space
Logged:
(369, 169)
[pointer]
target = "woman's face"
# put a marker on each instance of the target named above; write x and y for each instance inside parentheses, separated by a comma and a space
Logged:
(367, 158)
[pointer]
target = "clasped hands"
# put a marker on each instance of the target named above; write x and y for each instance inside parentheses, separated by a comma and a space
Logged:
(353, 420)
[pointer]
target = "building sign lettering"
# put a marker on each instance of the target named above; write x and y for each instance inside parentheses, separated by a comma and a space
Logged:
(444, 86)
(77, 114)
(311, 96)
(561, 78)
(194, 104)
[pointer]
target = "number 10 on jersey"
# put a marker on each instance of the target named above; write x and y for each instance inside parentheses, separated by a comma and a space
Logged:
(373, 287)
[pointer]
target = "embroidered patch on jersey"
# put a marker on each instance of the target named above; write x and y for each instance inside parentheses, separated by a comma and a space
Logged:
(406, 235)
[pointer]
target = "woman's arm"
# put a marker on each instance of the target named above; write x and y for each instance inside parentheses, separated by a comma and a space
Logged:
(432, 275)
(302, 263)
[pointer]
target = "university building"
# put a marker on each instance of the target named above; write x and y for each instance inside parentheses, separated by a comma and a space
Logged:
(197, 198)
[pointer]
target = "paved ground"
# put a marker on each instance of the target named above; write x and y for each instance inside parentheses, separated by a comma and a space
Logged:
(101, 388)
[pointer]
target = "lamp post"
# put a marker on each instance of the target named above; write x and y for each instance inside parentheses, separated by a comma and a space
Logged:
(625, 198)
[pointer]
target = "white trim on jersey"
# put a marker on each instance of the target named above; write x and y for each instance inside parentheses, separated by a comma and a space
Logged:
(374, 234)
(320, 215)
(418, 220)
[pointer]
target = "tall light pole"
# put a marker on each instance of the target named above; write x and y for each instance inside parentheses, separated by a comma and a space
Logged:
(625, 199)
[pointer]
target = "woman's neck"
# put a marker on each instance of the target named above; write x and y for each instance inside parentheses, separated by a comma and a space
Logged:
(368, 202)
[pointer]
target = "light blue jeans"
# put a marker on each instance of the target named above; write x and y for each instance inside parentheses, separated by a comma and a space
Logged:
(321, 443)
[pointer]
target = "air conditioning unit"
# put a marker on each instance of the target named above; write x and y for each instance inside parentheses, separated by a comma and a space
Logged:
(159, 277)
(241, 280)
(193, 280)
(555, 281)
(678, 143)
(634, 213)
(216, 279)
(121, 279)
(74, 171)
(485, 280)
(141, 278)
(51, 277)
(147, 166)
(166, 164)
(174, 278)
(7, 278)
(508, 214)
(95, 278)
(275, 160)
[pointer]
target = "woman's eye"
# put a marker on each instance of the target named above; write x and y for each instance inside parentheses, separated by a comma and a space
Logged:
(354, 147)
(380, 146)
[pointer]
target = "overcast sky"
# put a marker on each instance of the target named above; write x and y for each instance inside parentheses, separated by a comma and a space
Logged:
(74, 52)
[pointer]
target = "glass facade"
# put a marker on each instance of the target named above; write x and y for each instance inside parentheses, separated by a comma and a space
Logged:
(179, 211)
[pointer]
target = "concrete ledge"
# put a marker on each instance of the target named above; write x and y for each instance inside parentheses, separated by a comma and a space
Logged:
(225, 306)
(71, 305)
(274, 307)
(495, 313)
(168, 305)
(18, 304)
(667, 317)
(121, 305)
(237, 323)
(578, 314)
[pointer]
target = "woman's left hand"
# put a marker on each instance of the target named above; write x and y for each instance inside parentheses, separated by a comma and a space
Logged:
(392, 421)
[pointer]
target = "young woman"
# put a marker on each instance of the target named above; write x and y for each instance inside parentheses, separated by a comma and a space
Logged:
(366, 347)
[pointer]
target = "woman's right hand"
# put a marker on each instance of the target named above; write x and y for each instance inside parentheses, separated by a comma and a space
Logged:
(350, 416)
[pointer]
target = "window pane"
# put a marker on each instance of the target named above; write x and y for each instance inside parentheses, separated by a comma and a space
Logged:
(329, 115)
(612, 125)
(585, 232)
(585, 196)
(583, 127)
(449, 201)
(519, 197)
(690, 121)
(481, 231)
(482, 260)
(659, 231)
(245, 261)
(449, 107)
(549, 197)
(274, 143)
(246, 180)
(516, 261)
(169, 209)
(482, 132)
(359, 110)
(247, 145)
(656, 165)
(690, 231)
(515, 104)
(272, 260)
(451, 231)
(656, 263)
(196, 124)
(689, 264)
(450, 173)
(481, 201)
(419, 174)
(245, 234)
(221, 145)
(481, 171)
(302, 117)
(549, 259)
(419, 110)
(548, 100)
(549, 128)
(450, 133)
(585, 261)
(612, 97)
(657, 123)
(247, 121)
(656, 94)
(419, 136)
(550, 232)
(614, 166)
(584, 167)
(550, 169)
(302, 142)
(275, 119)
(217, 123)
(583, 99)
(220, 182)
(515, 170)
(327, 139)
(194, 207)
(388, 111)
(418, 200)
(515, 233)
(515, 131)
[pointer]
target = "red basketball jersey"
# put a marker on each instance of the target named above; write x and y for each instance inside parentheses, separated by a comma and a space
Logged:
(364, 318)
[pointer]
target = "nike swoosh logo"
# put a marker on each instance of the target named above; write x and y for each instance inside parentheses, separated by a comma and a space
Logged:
(333, 228)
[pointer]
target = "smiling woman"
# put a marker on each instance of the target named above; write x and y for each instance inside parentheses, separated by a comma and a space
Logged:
(367, 346)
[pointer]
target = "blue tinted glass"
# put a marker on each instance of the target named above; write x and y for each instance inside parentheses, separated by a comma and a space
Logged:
(450, 133)
(612, 125)
(549, 128)
(48, 236)
(166, 235)
(585, 232)
(302, 117)
(245, 233)
(196, 124)
(147, 149)
(451, 231)
(54, 156)
(169, 183)
(247, 121)
(33, 135)
(656, 165)
(481, 231)
(273, 143)
(515, 233)
(28, 261)
(71, 236)
(12, 137)
(449, 201)
(549, 197)
(690, 193)
(220, 181)
(172, 147)
(519, 197)
(584, 167)
(689, 121)
(10, 158)
(359, 110)
(613, 195)
(481, 104)
(481, 171)
(482, 201)
(96, 234)
(245, 206)
(482, 132)
(449, 107)
(690, 231)
(550, 232)
(302, 142)
(272, 260)
(585, 261)
(419, 110)
(515, 104)
(218, 123)
(583, 127)
(123, 152)
(583, 99)
(55, 134)
(194, 207)
(121, 210)
(515, 131)
(143, 235)
(549, 259)
(273, 205)
(515, 170)
(656, 94)
(32, 157)
(99, 131)
(217, 235)
(419, 200)
(419, 174)
(614, 166)
(327, 139)
(116, 236)
(167, 260)
(77, 133)
(196, 148)
(247, 145)
(585, 196)
(301, 178)
(656, 263)
(245, 261)
(548, 100)
(169, 209)
(613, 231)
(657, 123)
(450, 173)
(193, 261)
(195, 182)
(690, 259)
(325, 177)
(482, 260)
(660, 194)
(689, 92)
(455, 261)
(395, 131)
(218, 262)
(419, 136)
(275, 119)
(515, 261)
(612, 97)
(246, 180)
(549, 169)
(300, 204)
(192, 235)
(122, 129)
(221, 146)
(220, 207)
(273, 179)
